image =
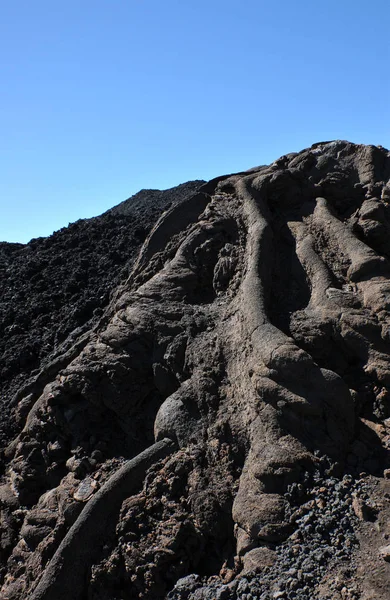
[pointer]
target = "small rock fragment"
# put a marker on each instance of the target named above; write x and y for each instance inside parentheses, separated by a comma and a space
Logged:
(85, 490)
(384, 551)
(258, 559)
(362, 510)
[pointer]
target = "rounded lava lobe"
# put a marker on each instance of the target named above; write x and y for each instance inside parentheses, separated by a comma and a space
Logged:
(176, 418)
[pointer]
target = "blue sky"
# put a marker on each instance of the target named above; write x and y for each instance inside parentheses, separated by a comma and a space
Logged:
(100, 98)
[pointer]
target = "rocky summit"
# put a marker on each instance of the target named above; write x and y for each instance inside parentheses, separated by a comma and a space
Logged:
(195, 391)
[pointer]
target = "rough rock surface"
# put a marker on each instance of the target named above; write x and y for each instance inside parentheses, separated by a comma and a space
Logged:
(219, 425)
(55, 289)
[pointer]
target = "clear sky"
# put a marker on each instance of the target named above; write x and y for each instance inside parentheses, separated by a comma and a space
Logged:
(100, 98)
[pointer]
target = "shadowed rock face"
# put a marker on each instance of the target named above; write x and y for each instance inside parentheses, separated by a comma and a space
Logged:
(252, 332)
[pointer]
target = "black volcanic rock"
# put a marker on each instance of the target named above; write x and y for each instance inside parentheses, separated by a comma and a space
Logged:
(209, 414)
(56, 288)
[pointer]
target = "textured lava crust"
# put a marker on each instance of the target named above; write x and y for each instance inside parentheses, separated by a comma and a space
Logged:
(198, 407)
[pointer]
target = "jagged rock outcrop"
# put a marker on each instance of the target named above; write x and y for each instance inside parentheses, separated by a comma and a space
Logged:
(248, 354)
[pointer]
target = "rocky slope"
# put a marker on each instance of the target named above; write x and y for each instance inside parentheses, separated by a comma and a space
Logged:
(55, 289)
(216, 424)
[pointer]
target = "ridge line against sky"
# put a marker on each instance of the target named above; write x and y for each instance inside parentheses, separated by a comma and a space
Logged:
(101, 99)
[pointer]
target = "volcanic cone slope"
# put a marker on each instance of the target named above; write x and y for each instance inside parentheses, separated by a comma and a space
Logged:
(223, 430)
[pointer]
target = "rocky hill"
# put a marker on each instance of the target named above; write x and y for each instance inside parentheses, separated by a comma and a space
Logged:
(55, 289)
(195, 391)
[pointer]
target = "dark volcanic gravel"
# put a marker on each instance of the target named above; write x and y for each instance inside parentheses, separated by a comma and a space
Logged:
(55, 288)
(321, 509)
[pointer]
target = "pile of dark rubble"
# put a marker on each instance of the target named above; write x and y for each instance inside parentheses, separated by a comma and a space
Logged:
(54, 289)
(323, 509)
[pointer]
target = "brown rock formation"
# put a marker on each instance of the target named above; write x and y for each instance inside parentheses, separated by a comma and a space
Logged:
(253, 332)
